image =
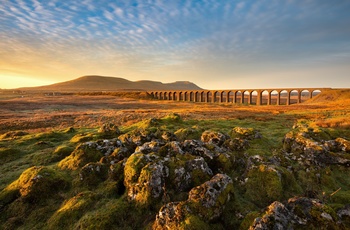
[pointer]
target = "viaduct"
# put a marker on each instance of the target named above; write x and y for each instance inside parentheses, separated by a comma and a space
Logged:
(281, 96)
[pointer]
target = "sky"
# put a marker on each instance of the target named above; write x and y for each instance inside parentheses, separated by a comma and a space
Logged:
(217, 44)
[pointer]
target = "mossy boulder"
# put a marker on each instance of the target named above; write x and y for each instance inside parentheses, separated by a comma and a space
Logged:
(72, 210)
(61, 152)
(298, 213)
(187, 134)
(93, 173)
(108, 130)
(215, 138)
(82, 154)
(144, 178)
(245, 133)
(34, 184)
(237, 144)
(205, 203)
(264, 185)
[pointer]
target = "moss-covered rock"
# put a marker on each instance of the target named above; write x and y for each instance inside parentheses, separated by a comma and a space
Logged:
(82, 154)
(215, 138)
(245, 133)
(298, 213)
(264, 185)
(93, 173)
(205, 203)
(35, 183)
(109, 130)
(72, 210)
(187, 134)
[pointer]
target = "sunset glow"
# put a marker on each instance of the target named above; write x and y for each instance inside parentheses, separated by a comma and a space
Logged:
(215, 44)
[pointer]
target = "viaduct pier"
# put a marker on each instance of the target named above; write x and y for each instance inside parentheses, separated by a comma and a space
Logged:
(279, 96)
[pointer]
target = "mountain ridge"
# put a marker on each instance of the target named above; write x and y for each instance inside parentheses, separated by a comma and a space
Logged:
(108, 83)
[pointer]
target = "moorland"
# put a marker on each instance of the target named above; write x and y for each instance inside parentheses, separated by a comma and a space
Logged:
(125, 161)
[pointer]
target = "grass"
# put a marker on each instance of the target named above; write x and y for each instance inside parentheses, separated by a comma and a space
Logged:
(24, 144)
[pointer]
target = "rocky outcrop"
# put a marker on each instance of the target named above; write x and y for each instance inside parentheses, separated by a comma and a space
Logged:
(298, 213)
(302, 147)
(205, 203)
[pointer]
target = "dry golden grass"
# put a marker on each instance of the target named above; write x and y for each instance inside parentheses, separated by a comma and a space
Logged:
(33, 112)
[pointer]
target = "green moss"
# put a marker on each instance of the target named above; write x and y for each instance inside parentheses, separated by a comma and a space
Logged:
(187, 134)
(193, 222)
(248, 220)
(82, 137)
(82, 155)
(9, 154)
(264, 185)
(72, 210)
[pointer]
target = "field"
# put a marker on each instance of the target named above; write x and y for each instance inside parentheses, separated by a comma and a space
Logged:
(42, 134)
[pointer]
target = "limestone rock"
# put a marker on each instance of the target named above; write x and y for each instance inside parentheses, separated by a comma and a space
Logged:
(215, 138)
(93, 173)
(109, 130)
(298, 213)
(245, 133)
(204, 204)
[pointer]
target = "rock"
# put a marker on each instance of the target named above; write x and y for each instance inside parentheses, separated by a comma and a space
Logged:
(208, 200)
(83, 154)
(344, 215)
(215, 138)
(109, 130)
(144, 178)
(93, 173)
(187, 134)
(196, 148)
(149, 147)
(237, 144)
(168, 136)
(343, 144)
(171, 149)
(298, 213)
(245, 133)
(193, 173)
(264, 184)
(204, 204)
(39, 182)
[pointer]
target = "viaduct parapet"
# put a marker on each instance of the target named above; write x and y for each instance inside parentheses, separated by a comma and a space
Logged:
(279, 96)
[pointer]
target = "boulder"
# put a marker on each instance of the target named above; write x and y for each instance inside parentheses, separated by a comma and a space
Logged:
(205, 203)
(93, 173)
(298, 213)
(245, 133)
(109, 130)
(215, 138)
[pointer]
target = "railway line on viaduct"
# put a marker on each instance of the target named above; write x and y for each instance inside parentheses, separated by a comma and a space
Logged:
(279, 96)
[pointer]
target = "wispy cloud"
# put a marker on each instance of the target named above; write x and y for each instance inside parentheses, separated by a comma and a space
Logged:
(144, 39)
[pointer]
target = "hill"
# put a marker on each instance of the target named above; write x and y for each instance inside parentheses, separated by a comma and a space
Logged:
(102, 83)
(334, 96)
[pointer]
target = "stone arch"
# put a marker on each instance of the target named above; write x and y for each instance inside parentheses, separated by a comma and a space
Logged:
(191, 96)
(283, 97)
(165, 95)
(170, 97)
(209, 96)
(196, 96)
(229, 96)
(254, 97)
(245, 97)
(202, 96)
(304, 95)
(238, 96)
(315, 92)
(275, 97)
(265, 97)
(216, 97)
(294, 96)
(185, 96)
(175, 96)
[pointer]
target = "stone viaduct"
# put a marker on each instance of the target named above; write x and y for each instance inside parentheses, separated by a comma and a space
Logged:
(285, 96)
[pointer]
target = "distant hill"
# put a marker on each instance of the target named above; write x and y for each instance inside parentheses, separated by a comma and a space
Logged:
(102, 83)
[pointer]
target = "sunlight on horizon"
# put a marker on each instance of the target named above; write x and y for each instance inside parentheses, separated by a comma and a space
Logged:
(13, 82)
